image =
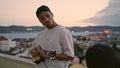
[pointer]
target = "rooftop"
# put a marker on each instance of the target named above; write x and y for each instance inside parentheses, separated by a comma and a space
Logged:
(3, 38)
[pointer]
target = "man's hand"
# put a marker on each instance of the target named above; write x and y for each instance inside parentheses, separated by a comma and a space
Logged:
(44, 54)
(37, 55)
(34, 52)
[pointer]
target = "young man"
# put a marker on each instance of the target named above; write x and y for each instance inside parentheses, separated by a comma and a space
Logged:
(54, 37)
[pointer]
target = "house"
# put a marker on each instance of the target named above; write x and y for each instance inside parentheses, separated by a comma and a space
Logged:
(4, 44)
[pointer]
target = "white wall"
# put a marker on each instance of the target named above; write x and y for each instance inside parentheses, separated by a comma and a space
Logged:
(4, 45)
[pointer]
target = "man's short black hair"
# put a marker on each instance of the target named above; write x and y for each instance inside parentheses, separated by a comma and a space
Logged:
(41, 9)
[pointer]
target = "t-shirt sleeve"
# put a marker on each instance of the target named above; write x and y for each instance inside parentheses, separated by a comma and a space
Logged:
(67, 43)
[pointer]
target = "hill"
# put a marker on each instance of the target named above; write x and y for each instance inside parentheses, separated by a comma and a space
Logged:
(14, 28)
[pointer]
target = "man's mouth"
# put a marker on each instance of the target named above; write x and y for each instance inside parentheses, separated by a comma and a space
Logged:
(48, 23)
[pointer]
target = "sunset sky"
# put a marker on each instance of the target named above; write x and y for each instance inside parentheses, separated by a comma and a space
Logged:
(68, 13)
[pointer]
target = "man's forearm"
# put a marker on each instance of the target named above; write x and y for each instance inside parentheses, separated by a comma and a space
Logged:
(57, 56)
(63, 57)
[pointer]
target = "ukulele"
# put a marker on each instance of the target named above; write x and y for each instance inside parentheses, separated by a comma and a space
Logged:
(38, 57)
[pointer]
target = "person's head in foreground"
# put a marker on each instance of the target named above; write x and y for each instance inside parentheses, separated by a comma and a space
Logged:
(102, 56)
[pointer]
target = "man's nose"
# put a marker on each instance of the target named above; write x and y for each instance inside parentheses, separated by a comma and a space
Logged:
(46, 19)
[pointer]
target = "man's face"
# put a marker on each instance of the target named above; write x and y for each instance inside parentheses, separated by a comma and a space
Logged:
(46, 18)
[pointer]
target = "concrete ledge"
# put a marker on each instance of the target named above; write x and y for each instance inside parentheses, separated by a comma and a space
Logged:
(8, 61)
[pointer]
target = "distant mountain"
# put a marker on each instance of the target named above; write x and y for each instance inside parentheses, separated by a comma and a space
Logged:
(14, 28)
(94, 28)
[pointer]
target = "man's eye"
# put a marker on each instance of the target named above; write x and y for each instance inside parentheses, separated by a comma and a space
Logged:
(47, 15)
(41, 18)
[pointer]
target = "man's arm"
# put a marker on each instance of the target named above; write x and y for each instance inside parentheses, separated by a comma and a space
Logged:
(63, 57)
(57, 56)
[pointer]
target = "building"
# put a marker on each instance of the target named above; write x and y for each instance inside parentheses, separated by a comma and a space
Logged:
(4, 44)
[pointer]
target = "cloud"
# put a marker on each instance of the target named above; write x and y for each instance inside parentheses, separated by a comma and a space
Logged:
(110, 15)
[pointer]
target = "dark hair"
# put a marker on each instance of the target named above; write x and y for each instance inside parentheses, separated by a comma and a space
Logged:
(102, 56)
(41, 9)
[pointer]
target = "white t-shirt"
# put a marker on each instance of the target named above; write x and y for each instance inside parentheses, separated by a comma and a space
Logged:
(58, 38)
